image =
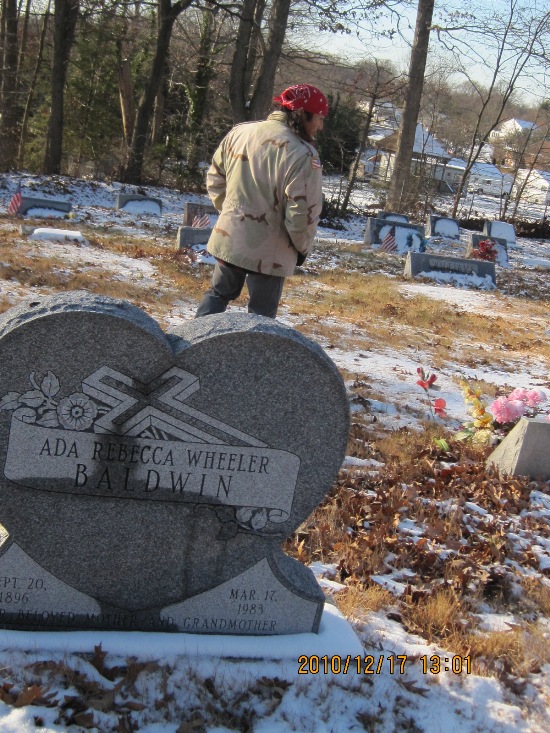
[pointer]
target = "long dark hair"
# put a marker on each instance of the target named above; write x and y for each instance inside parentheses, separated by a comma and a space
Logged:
(295, 120)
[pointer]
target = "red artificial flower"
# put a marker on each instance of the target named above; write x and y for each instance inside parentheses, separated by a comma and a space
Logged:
(439, 407)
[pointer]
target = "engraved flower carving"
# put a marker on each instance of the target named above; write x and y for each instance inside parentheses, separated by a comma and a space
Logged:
(76, 412)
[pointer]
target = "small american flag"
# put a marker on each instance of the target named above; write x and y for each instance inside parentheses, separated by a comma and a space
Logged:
(201, 222)
(388, 243)
(16, 199)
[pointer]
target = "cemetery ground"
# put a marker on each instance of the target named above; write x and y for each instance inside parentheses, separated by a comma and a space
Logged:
(429, 555)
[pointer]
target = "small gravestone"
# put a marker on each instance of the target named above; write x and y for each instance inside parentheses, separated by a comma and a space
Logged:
(123, 199)
(525, 451)
(197, 226)
(500, 230)
(408, 237)
(500, 245)
(421, 263)
(392, 216)
(148, 480)
(443, 226)
(189, 236)
(28, 203)
(193, 212)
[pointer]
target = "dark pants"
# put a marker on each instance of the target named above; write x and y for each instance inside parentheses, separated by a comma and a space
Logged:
(227, 282)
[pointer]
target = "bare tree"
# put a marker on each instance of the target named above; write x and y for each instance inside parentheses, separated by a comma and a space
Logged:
(397, 195)
(511, 43)
(375, 81)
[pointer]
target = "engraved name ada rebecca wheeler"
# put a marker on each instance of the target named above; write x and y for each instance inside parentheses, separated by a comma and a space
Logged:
(117, 438)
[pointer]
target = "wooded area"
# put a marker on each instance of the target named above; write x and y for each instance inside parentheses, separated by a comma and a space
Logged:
(144, 91)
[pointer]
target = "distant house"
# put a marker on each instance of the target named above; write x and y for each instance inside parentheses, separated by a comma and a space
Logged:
(428, 153)
(387, 115)
(511, 128)
(484, 178)
(537, 188)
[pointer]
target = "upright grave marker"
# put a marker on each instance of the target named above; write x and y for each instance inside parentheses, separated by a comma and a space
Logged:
(148, 480)
(123, 199)
(196, 227)
(525, 451)
(443, 226)
(419, 263)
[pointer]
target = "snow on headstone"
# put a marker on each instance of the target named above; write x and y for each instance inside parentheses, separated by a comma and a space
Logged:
(501, 230)
(60, 235)
(137, 203)
(443, 226)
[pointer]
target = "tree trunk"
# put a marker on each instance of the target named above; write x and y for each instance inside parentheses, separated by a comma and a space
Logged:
(65, 17)
(397, 195)
(238, 87)
(127, 104)
(26, 113)
(167, 14)
(263, 89)
(198, 92)
(8, 100)
(355, 165)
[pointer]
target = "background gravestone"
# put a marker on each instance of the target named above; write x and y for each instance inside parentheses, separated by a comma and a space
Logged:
(525, 451)
(123, 199)
(501, 247)
(148, 481)
(418, 263)
(443, 226)
(500, 230)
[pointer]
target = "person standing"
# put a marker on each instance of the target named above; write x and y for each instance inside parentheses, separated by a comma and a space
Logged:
(266, 182)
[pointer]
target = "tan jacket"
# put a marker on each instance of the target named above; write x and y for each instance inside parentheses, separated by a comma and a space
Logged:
(266, 182)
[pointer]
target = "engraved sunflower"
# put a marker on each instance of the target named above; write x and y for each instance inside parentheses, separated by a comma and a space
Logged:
(76, 412)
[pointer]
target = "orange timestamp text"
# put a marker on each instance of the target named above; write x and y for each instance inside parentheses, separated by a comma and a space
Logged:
(392, 663)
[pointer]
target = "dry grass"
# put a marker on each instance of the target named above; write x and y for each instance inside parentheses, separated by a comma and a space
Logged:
(435, 616)
(515, 653)
(357, 601)
(376, 306)
(538, 594)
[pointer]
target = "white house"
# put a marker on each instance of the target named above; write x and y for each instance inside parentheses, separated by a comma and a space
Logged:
(428, 153)
(537, 188)
(511, 128)
(484, 178)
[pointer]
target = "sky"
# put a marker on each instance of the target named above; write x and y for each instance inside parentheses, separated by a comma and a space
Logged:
(369, 40)
(176, 678)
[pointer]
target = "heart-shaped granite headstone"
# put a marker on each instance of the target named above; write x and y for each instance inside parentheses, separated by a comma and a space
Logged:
(143, 471)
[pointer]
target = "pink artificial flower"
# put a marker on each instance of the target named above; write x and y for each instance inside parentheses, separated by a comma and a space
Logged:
(520, 393)
(534, 396)
(505, 410)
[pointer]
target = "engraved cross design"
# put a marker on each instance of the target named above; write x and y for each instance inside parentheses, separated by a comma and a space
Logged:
(100, 386)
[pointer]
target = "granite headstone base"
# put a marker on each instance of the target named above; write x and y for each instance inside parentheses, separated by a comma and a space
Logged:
(525, 451)
(422, 262)
(189, 236)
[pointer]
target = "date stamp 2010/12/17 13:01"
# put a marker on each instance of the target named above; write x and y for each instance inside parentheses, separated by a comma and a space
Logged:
(392, 663)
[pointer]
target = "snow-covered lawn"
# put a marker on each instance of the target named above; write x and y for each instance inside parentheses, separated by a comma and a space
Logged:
(159, 683)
